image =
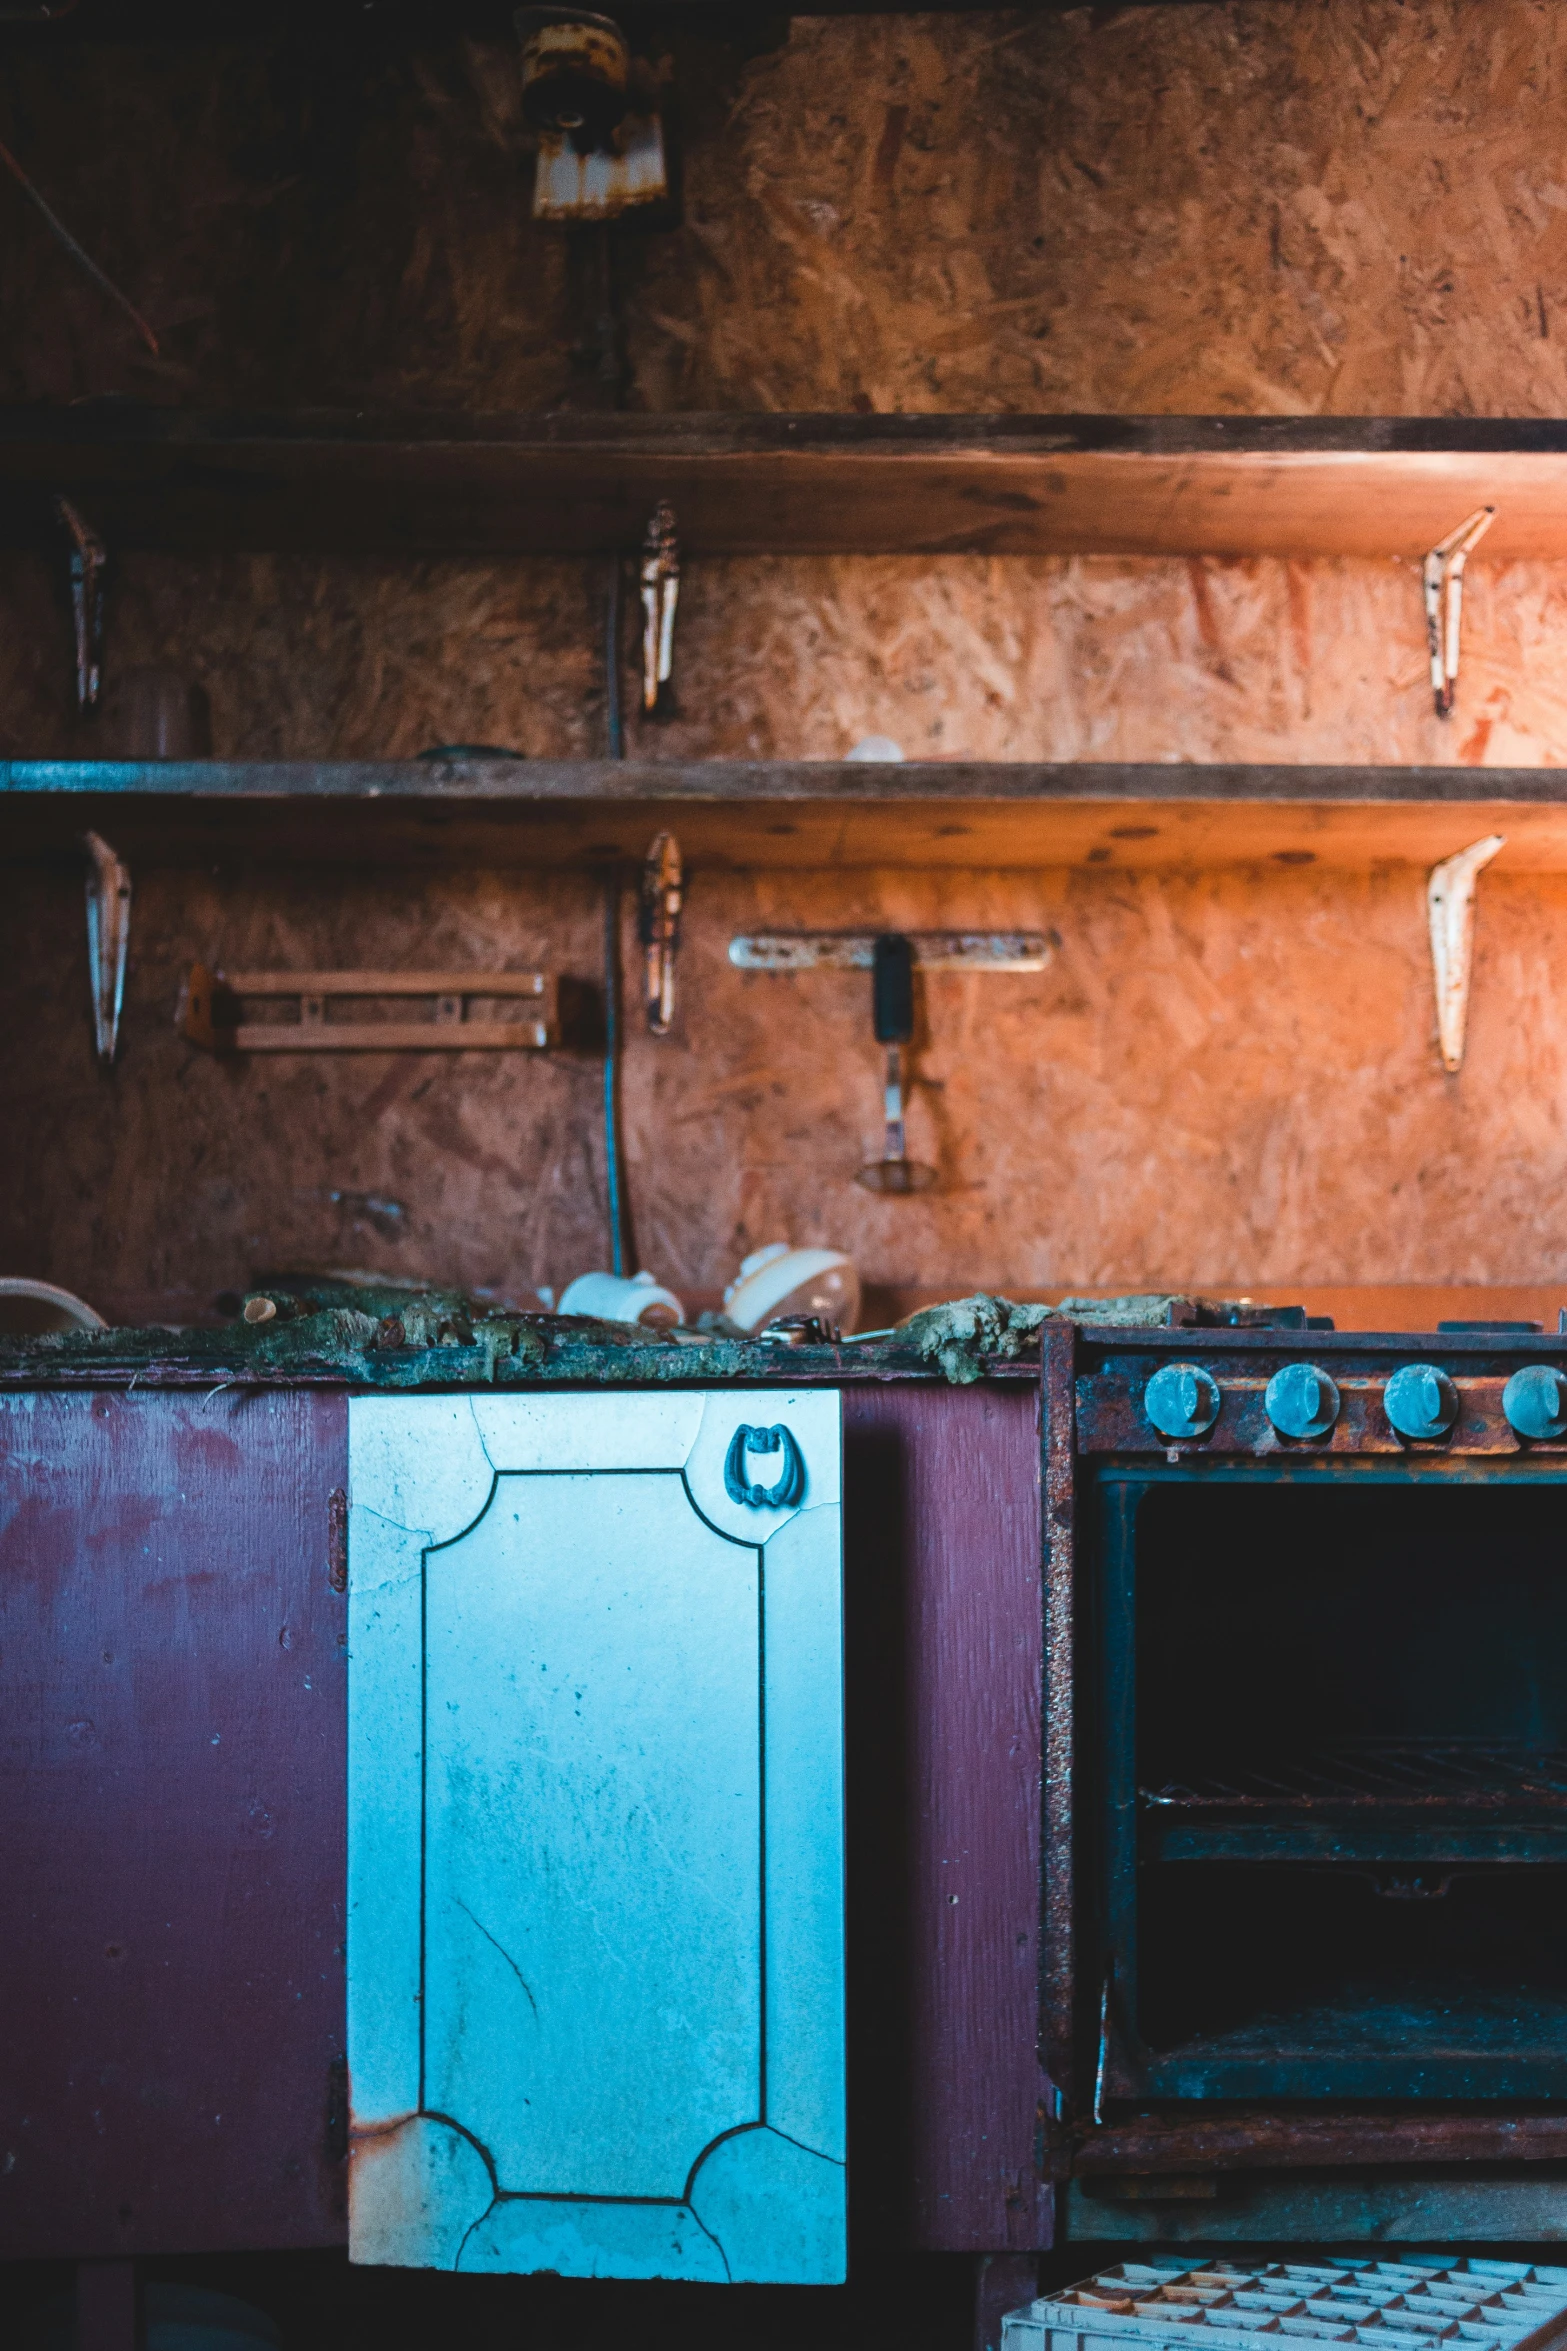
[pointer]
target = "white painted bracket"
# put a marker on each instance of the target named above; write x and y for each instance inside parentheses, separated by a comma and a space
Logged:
(1450, 901)
(1443, 579)
(108, 940)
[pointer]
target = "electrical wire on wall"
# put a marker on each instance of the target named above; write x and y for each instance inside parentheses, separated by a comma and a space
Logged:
(620, 1252)
(83, 259)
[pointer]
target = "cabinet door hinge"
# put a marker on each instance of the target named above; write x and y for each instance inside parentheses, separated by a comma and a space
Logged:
(337, 1539)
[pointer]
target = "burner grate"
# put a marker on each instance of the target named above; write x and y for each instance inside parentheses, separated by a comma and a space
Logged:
(1384, 2305)
(1362, 1774)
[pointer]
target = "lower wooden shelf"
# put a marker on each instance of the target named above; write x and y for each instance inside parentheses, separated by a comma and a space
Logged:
(783, 814)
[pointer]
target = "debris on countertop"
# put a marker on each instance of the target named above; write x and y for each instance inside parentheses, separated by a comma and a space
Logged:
(369, 1334)
(967, 1337)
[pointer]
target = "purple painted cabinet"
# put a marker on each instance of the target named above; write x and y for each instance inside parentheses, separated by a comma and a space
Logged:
(172, 1774)
(171, 1822)
(942, 1505)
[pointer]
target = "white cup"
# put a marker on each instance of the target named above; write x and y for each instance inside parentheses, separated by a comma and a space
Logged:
(784, 1280)
(609, 1297)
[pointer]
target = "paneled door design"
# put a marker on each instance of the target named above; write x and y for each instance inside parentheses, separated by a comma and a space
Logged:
(595, 1803)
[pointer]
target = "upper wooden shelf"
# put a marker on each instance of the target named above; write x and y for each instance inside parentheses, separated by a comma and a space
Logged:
(756, 484)
(744, 814)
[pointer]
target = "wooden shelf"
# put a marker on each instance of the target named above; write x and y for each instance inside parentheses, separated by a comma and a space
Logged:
(783, 814)
(754, 484)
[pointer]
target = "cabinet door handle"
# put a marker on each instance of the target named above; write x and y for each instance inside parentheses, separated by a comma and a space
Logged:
(791, 1478)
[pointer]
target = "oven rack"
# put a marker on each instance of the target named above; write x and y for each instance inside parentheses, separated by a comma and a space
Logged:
(1368, 1800)
(1384, 2305)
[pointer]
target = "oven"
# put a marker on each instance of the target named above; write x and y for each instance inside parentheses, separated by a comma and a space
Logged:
(1305, 1826)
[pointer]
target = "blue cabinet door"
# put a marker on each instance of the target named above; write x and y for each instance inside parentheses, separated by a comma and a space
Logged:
(596, 1835)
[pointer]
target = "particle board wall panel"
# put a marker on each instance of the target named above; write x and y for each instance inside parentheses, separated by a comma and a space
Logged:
(1224, 1078)
(958, 657)
(1239, 208)
(171, 1777)
(1245, 207)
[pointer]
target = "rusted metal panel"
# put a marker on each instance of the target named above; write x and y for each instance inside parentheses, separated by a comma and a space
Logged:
(1285, 2138)
(942, 1510)
(171, 1812)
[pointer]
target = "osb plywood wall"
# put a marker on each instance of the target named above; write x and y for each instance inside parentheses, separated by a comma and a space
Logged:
(1355, 206)
(1259, 207)
(962, 656)
(1230, 1078)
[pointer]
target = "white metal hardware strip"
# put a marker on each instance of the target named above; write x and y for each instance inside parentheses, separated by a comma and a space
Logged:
(855, 950)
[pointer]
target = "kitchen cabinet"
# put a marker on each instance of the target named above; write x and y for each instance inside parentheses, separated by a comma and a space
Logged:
(173, 1642)
(171, 1820)
(595, 1834)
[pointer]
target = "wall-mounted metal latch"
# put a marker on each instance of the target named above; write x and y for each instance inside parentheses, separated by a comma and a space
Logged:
(892, 958)
(108, 941)
(1442, 576)
(856, 950)
(1450, 902)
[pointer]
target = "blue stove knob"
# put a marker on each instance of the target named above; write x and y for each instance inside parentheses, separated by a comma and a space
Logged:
(1182, 1400)
(1301, 1401)
(1420, 1401)
(1535, 1401)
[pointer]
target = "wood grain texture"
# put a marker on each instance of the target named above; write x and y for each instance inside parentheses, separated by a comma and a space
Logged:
(171, 1779)
(954, 1476)
(203, 484)
(780, 816)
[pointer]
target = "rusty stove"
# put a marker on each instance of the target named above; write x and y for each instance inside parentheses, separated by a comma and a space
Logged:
(1306, 1811)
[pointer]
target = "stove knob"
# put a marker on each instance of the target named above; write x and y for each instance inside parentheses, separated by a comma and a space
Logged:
(1301, 1401)
(1420, 1401)
(1182, 1400)
(1535, 1401)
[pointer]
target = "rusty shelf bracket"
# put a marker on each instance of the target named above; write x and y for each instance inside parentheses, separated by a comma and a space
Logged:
(662, 898)
(1442, 576)
(89, 556)
(1450, 903)
(660, 596)
(108, 941)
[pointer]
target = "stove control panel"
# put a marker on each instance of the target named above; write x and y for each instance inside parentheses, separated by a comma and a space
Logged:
(1234, 1403)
